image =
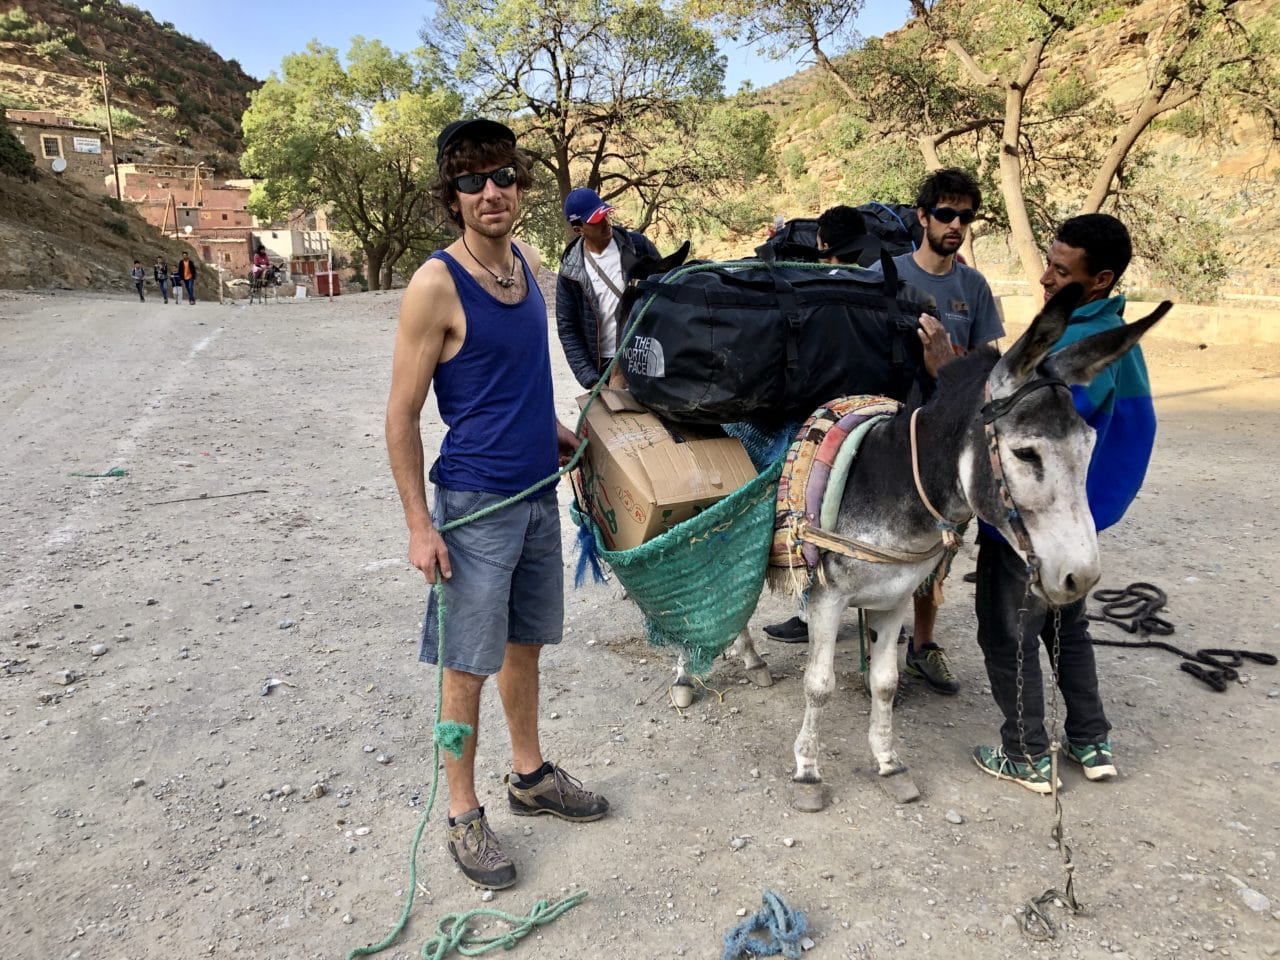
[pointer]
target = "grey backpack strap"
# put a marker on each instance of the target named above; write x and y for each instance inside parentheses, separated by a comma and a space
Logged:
(608, 281)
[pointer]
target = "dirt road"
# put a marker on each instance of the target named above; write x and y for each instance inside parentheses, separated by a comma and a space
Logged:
(158, 805)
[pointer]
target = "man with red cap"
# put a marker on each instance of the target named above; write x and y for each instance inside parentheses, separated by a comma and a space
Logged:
(593, 273)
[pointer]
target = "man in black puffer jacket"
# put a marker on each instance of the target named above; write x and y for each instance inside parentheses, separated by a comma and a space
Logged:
(594, 271)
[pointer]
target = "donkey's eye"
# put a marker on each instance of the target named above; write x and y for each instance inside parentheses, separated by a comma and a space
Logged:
(1027, 455)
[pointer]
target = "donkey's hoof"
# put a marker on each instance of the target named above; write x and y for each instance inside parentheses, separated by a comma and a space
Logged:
(760, 675)
(682, 695)
(898, 784)
(809, 797)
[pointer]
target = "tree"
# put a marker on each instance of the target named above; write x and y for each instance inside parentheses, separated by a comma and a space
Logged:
(1203, 51)
(1004, 88)
(1198, 48)
(818, 29)
(359, 140)
(622, 96)
(15, 159)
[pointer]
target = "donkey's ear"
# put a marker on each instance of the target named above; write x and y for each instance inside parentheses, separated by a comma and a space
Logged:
(1018, 365)
(673, 260)
(646, 267)
(1082, 361)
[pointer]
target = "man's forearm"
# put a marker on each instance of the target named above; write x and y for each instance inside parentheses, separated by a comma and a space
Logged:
(404, 450)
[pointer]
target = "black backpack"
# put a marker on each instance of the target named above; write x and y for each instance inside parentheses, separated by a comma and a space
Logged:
(891, 228)
(753, 340)
(895, 225)
(797, 240)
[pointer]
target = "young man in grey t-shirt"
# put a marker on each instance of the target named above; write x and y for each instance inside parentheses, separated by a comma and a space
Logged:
(946, 203)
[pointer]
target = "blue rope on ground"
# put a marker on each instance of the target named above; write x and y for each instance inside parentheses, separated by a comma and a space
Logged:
(784, 927)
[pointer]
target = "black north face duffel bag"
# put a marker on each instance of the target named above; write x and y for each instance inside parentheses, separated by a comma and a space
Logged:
(758, 340)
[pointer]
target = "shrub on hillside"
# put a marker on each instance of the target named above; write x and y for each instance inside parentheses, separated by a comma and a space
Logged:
(117, 225)
(121, 119)
(17, 25)
(15, 159)
(51, 49)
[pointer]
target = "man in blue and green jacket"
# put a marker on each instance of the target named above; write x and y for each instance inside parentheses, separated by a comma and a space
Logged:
(1093, 250)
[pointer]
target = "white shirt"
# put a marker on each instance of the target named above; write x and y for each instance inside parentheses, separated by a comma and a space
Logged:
(610, 262)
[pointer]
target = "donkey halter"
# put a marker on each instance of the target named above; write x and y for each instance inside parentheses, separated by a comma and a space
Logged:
(993, 410)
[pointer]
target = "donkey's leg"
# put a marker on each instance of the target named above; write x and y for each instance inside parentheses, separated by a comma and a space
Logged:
(682, 687)
(882, 678)
(825, 607)
(757, 670)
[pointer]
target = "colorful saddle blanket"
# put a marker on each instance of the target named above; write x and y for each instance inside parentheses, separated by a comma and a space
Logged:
(813, 480)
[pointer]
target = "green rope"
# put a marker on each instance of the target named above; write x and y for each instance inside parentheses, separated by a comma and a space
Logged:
(451, 931)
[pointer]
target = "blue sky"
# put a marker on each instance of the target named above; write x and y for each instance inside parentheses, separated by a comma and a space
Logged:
(259, 34)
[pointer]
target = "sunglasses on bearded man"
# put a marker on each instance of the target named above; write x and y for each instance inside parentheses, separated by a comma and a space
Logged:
(474, 182)
(947, 214)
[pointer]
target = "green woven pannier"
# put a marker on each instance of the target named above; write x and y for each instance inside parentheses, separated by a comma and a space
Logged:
(698, 583)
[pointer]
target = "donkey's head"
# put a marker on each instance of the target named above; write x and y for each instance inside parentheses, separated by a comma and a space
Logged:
(1042, 447)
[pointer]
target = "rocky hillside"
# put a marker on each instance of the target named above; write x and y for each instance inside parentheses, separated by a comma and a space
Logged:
(54, 235)
(173, 98)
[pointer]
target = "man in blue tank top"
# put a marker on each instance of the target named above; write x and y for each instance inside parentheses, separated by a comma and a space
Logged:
(473, 323)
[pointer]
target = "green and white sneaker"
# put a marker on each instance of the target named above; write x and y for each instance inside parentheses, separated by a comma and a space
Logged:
(1033, 776)
(1095, 759)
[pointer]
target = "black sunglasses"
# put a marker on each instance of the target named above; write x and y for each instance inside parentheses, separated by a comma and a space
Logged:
(474, 182)
(947, 214)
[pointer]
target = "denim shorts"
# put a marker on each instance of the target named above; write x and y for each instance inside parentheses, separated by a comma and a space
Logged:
(507, 584)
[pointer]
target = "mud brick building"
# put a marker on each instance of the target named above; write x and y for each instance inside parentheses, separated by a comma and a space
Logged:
(51, 136)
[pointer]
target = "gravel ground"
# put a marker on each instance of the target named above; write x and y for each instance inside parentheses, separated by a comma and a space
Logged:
(155, 803)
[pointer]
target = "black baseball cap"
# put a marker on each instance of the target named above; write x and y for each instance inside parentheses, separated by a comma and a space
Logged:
(478, 129)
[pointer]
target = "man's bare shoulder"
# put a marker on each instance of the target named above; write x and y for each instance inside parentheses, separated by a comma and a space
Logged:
(531, 256)
(430, 298)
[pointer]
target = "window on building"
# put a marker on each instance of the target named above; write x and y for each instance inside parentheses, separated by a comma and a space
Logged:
(226, 258)
(224, 216)
(206, 254)
(51, 146)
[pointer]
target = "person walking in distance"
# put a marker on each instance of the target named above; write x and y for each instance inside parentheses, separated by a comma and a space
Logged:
(139, 278)
(187, 273)
(473, 327)
(161, 273)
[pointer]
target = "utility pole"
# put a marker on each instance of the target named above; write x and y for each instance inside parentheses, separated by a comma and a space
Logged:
(111, 137)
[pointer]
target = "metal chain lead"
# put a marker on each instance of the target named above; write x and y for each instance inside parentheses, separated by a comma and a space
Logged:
(1035, 921)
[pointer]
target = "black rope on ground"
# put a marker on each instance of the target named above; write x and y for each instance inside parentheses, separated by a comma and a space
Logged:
(1134, 608)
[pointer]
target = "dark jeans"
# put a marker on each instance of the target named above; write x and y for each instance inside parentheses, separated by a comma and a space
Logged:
(190, 286)
(164, 289)
(137, 285)
(1002, 584)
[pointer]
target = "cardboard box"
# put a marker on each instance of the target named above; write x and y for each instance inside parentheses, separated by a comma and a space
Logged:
(642, 477)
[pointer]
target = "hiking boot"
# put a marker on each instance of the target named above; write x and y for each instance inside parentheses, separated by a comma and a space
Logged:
(930, 665)
(1033, 776)
(1095, 759)
(556, 793)
(478, 854)
(794, 630)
